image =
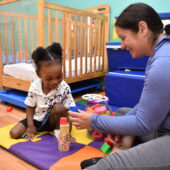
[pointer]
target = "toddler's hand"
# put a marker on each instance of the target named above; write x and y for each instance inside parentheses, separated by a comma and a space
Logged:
(30, 133)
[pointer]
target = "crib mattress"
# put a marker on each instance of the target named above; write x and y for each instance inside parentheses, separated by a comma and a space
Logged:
(27, 70)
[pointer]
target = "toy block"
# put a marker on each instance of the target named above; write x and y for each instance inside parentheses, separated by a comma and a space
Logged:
(106, 140)
(112, 113)
(97, 135)
(63, 121)
(96, 105)
(64, 147)
(101, 109)
(64, 129)
(105, 148)
(64, 126)
(73, 108)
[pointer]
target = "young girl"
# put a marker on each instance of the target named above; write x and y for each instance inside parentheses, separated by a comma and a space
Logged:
(48, 98)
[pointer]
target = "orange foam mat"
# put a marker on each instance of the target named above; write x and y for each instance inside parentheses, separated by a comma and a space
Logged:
(72, 162)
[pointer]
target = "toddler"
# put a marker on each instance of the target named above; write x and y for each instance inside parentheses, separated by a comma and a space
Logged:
(48, 98)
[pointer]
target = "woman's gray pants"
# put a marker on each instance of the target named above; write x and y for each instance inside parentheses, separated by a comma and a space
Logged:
(152, 155)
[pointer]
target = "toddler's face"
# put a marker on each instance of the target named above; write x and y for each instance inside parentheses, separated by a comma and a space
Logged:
(51, 76)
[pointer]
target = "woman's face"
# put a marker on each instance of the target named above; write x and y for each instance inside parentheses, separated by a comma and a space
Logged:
(136, 43)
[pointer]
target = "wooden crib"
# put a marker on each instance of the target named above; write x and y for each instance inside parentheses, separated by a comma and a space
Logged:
(82, 34)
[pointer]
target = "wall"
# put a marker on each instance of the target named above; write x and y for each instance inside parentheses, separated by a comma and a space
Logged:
(22, 6)
(116, 6)
(30, 6)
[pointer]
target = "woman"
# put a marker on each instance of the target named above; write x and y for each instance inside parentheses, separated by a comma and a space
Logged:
(141, 31)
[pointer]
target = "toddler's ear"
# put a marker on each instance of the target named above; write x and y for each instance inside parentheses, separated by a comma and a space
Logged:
(38, 74)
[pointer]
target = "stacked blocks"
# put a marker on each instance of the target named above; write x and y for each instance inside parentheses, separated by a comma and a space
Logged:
(107, 146)
(64, 137)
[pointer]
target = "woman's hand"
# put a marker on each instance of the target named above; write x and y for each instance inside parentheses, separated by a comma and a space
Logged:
(30, 133)
(116, 140)
(121, 141)
(80, 119)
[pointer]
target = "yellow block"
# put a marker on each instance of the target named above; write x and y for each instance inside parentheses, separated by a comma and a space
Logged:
(64, 129)
(81, 136)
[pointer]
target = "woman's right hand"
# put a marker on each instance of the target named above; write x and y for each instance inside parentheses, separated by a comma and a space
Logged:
(80, 119)
(30, 132)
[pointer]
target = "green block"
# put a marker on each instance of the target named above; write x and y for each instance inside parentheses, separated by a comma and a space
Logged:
(82, 102)
(105, 148)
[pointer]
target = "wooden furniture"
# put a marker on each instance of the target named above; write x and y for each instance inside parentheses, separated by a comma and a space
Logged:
(82, 34)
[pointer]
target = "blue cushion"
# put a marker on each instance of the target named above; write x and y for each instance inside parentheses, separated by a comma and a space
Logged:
(123, 88)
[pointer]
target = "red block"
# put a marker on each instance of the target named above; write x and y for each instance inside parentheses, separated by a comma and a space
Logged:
(108, 142)
(63, 121)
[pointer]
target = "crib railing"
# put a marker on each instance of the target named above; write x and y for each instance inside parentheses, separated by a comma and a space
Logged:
(82, 34)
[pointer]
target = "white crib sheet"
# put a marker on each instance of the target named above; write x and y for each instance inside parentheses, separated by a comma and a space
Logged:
(27, 71)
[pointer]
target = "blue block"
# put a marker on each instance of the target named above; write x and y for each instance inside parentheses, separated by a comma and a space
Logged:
(123, 88)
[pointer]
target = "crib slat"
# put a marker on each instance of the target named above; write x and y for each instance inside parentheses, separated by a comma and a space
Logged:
(102, 51)
(32, 35)
(75, 44)
(56, 24)
(49, 26)
(99, 46)
(90, 43)
(17, 15)
(72, 10)
(69, 30)
(13, 40)
(95, 44)
(40, 24)
(7, 1)
(86, 43)
(81, 44)
(6, 40)
(26, 39)
(63, 43)
(19, 39)
(52, 31)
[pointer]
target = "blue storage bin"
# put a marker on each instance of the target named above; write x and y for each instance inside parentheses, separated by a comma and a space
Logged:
(123, 88)
(120, 59)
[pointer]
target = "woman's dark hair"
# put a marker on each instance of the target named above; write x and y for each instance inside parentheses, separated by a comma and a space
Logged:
(137, 12)
(52, 54)
(167, 29)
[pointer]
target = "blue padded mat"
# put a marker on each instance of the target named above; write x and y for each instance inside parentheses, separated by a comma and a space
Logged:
(124, 87)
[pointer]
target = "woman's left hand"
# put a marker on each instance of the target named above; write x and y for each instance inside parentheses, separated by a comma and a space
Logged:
(80, 119)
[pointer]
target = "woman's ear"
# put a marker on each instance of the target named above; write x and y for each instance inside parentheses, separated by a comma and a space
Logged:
(143, 28)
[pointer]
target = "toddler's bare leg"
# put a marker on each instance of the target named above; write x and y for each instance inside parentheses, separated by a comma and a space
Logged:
(17, 131)
(57, 112)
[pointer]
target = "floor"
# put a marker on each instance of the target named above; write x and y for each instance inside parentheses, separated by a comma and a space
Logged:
(9, 161)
